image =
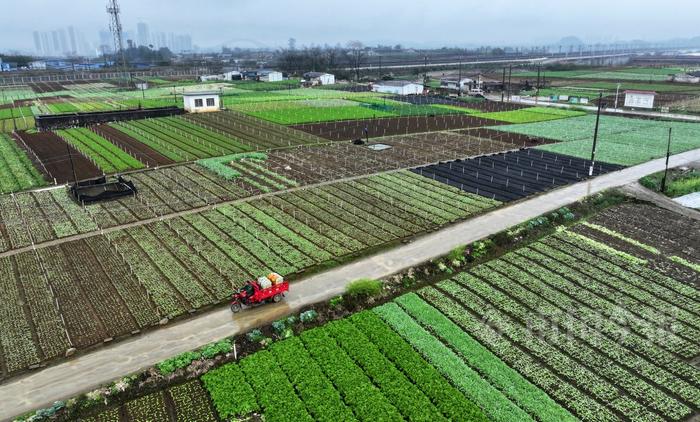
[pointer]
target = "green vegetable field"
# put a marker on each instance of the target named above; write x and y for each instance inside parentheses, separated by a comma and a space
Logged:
(16, 170)
(570, 327)
(621, 140)
(107, 156)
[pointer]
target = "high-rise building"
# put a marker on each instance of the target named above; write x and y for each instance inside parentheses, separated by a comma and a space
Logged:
(45, 46)
(63, 40)
(37, 43)
(56, 42)
(186, 43)
(106, 42)
(142, 35)
(162, 40)
(73, 43)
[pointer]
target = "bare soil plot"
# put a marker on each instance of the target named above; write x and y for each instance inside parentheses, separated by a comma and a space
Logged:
(313, 164)
(42, 87)
(516, 139)
(355, 129)
(53, 154)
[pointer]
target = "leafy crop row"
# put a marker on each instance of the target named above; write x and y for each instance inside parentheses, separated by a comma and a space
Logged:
(513, 385)
(496, 406)
(108, 157)
(16, 171)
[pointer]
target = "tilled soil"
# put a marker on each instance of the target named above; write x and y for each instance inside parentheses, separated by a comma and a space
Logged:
(53, 154)
(42, 87)
(355, 129)
(516, 139)
(313, 164)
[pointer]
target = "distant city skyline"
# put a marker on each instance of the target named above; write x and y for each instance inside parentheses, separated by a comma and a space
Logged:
(69, 41)
(211, 24)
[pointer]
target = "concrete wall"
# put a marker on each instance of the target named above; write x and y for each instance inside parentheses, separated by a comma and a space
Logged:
(191, 107)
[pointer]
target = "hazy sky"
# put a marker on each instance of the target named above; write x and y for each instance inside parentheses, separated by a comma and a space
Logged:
(413, 23)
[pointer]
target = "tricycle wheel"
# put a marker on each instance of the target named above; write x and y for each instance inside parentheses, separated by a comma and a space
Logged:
(276, 298)
(235, 307)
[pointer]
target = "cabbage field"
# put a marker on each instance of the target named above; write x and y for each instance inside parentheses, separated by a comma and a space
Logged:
(621, 140)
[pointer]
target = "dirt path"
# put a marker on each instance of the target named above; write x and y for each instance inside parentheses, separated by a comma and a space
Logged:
(88, 371)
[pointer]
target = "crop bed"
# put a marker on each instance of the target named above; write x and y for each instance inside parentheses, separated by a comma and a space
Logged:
(593, 327)
(533, 114)
(179, 139)
(43, 87)
(516, 139)
(16, 169)
(480, 106)
(188, 402)
(51, 214)
(355, 129)
(314, 164)
(635, 228)
(136, 149)
(52, 153)
(107, 156)
(513, 175)
(165, 269)
(255, 132)
(621, 140)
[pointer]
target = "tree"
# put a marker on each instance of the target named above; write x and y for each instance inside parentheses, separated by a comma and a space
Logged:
(357, 56)
(292, 44)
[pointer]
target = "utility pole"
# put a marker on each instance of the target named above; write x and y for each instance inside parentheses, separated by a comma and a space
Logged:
(503, 84)
(668, 156)
(115, 26)
(459, 79)
(510, 74)
(595, 134)
(617, 94)
(425, 71)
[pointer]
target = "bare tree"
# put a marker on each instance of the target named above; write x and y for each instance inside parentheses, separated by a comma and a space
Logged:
(357, 55)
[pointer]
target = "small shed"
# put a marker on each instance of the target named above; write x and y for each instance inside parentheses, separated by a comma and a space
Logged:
(398, 87)
(201, 101)
(318, 78)
(640, 99)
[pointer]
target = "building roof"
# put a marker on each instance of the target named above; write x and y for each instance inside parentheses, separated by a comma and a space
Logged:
(397, 83)
(199, 93)
(315, 74)
(633, 91)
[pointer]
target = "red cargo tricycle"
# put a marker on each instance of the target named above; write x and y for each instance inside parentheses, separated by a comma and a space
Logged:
(252, 294)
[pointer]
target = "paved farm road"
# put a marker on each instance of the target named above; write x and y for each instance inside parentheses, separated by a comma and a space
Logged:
(91, 370)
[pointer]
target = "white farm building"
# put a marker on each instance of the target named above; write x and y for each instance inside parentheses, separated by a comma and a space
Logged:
(398, 87)
(319, 78)
(201, 102)
(226, 76)
(270, 76)
(639, 99)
